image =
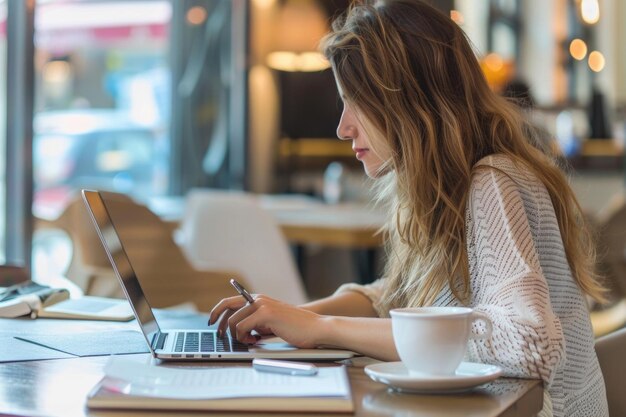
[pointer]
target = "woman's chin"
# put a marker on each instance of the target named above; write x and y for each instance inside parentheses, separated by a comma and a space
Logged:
(371, 173)
(376, 171)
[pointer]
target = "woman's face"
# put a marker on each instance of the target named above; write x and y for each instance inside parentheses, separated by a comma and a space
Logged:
(351, 128)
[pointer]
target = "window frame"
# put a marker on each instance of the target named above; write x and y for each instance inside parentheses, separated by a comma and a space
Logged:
(19, 131)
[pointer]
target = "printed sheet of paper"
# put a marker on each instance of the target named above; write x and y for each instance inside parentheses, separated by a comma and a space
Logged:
(92, 343)
(147, 379)
(15, 350)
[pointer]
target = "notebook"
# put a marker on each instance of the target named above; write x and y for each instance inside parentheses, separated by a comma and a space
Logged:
(181, 344)
(130, 384)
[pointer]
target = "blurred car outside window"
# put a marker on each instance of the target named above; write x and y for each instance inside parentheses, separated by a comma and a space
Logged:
(93, 148)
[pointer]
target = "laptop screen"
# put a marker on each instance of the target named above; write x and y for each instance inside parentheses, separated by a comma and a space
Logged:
(121, 264)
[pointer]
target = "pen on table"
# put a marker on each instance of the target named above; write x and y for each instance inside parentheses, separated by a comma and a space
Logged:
(241, 290)
(284, 367)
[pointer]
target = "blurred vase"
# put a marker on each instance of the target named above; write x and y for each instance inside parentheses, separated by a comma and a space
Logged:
(334, 183)
(567, 140)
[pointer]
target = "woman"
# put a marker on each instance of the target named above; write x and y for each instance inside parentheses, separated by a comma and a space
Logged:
(480, 216)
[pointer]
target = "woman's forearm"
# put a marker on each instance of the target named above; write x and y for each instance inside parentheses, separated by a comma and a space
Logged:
(349, 303)
(350, 322)
(369, 336)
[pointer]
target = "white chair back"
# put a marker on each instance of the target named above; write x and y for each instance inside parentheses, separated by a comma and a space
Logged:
(229, 230)
(611, 351)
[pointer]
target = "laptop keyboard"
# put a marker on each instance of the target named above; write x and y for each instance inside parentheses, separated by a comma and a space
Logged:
(206, 342)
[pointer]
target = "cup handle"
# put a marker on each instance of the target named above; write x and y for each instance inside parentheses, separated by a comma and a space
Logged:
(488, 327)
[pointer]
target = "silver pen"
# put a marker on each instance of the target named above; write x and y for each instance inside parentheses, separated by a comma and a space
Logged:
(241, 290)
(284, 367)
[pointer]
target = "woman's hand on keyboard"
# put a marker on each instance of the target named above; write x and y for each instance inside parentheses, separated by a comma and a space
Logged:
(295, 325)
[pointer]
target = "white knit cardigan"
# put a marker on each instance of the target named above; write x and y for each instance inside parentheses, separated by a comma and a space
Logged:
(520, 278)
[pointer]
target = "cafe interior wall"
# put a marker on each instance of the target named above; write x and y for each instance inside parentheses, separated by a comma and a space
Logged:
(294, 27)
(611, 34)
(540, 53)
(620, 28)
(263, 98)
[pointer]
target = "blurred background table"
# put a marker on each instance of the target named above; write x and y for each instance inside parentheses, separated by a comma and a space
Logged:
(307, 221)
(303, 219)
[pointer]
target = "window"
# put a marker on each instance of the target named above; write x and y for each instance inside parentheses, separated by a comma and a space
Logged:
(106, 114)
(101, 113)
(102, 78)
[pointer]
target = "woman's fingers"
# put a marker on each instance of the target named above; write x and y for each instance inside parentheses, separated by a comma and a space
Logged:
(239, 315)
(230, 303)
(223, 322)
(235, 310)
(261, 302)
(243, 328)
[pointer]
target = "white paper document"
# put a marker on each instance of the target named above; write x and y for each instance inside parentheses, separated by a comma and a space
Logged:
(131, 377)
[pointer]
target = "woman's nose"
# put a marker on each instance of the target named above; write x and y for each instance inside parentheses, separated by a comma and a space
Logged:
(345, 129)
(340, 133)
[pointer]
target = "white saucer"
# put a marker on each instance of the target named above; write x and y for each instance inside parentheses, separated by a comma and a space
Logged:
(468, 375)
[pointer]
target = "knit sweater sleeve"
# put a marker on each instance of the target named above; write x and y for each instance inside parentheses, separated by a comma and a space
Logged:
(507, 281)
(373, 291)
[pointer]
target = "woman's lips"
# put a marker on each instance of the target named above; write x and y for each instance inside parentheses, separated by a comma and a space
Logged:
(360, 152)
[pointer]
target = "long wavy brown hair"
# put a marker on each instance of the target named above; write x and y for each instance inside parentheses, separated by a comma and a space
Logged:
(414, 80)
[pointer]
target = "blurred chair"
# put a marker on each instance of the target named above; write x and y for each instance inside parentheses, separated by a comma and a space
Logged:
(609, 318)
(89, 266)
(611, 250)
(611, 351)
(166, 276)
(612, 244)
(229, 230)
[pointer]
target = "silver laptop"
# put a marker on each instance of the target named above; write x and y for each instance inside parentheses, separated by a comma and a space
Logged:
(182, 344)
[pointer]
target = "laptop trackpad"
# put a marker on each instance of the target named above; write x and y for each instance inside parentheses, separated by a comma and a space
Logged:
(274, 344)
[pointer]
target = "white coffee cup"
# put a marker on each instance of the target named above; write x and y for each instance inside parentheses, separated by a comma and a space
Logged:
(433, 340)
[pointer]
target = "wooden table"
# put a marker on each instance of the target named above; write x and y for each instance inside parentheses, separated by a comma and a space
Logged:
(59, 387)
